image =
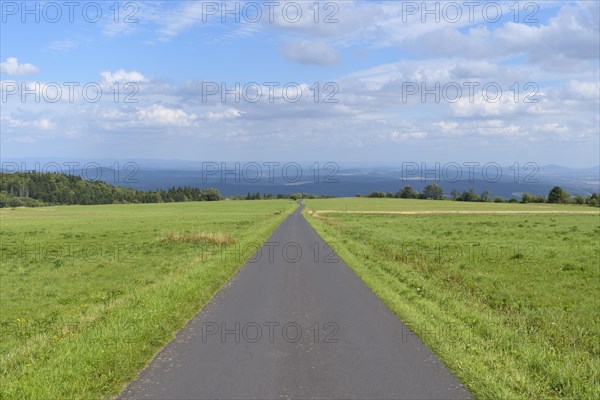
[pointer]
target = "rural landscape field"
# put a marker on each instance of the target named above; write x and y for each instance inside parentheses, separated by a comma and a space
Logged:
(299, 200)
(506, 300)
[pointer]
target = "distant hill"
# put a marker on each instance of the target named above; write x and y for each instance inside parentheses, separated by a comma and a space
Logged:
(353, 181)
(345, 180)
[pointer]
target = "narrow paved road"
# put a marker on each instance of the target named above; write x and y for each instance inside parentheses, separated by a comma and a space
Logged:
(300, 326)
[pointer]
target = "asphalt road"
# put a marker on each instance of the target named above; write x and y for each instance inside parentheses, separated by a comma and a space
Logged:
(295, 322)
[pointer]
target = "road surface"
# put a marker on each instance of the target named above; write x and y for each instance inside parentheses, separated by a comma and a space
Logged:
(295, 322)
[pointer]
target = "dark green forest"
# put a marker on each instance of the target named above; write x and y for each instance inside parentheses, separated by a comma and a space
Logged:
(37, 189)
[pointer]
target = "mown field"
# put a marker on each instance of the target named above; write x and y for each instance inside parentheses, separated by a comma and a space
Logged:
(88, 294)
(508, 302)
(368, 204)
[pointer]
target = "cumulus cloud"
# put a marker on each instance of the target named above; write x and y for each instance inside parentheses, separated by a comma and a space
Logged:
(481, 107)
(566, 41)
(230, 113)
(157, 114)
(558, 131)
(397, 136)
(37, 124)
(122, 76)
(12, 67)
(310, 52)
(496, 127)
(582, 90)
(472, 128)
(448, 128)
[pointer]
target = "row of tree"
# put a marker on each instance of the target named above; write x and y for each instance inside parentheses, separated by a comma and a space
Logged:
(270, 196)
(37, 189)
(433, 191)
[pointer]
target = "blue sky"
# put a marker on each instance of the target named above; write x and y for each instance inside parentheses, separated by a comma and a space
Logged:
(366, 56)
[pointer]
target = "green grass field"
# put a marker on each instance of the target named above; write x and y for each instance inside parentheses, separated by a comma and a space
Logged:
(508, 302)
(367, 204)
(90, 293)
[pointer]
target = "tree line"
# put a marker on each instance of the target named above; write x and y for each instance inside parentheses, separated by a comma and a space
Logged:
(32, 189)
(433, 191)
(271, 196)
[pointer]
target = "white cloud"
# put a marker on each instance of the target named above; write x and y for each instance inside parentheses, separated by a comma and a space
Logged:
(38, 124)
(12, 67)
(122, 76)
(568, 41)
(160, 115)
(560, 131)
(230, 113)
(483, 128)
(582, 90)
(397, 136)
(448, 128)
(496, 127)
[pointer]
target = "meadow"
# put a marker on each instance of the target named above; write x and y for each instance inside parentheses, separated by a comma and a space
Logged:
(369, 204)
(90, 293)
(509, 302)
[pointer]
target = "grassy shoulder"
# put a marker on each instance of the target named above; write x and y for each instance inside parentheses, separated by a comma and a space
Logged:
(90, 294)
(508, 302)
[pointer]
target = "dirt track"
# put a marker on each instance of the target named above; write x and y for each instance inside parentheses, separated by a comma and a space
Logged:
(456, 212)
